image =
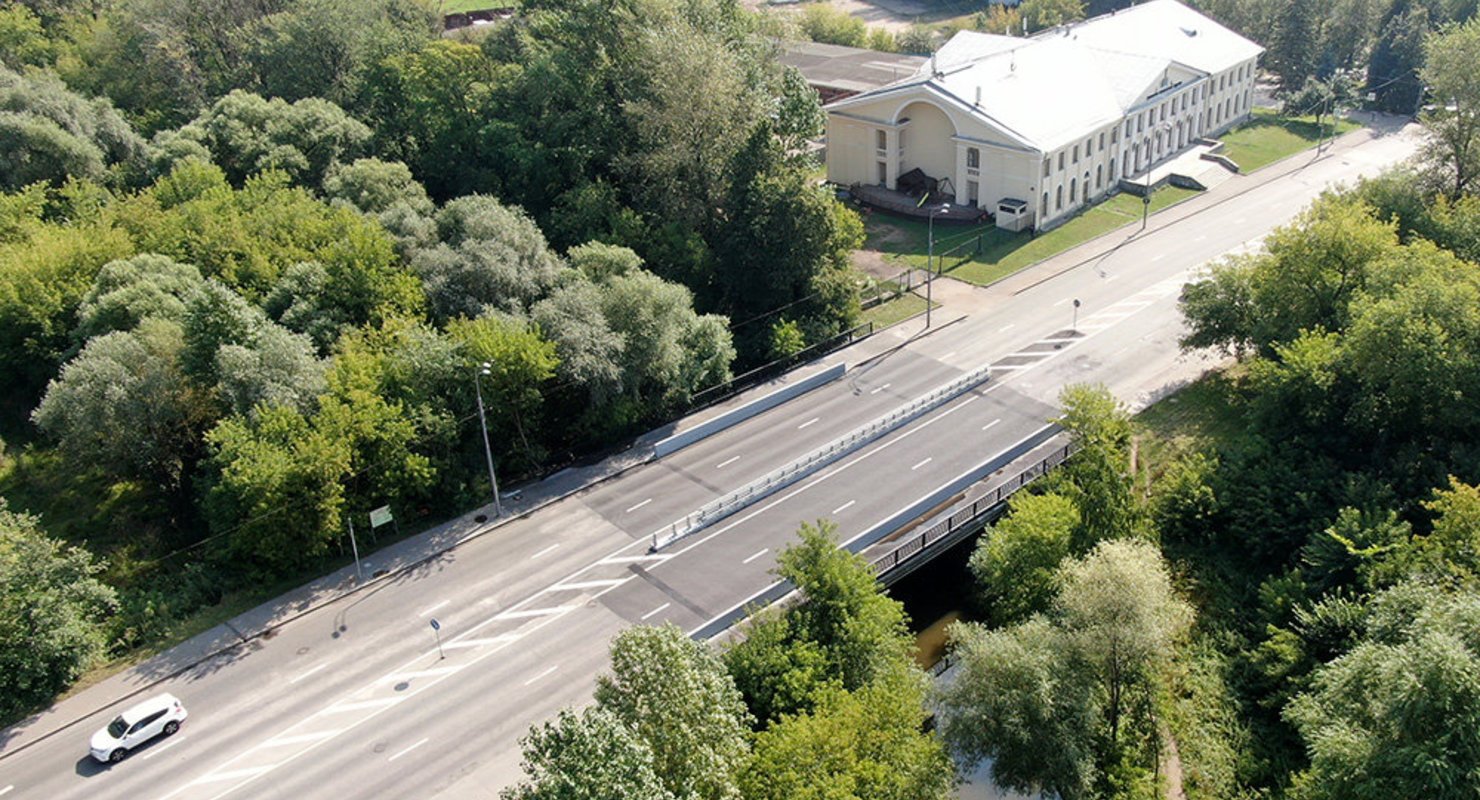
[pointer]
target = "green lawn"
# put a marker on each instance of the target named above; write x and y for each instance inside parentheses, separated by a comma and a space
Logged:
(1269, 137)
(899, 309)
(1003, 252)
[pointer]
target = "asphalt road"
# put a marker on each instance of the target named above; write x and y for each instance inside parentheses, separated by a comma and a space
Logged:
(355, 700)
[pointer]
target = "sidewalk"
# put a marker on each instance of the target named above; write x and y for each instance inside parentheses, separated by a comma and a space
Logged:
(956, 298)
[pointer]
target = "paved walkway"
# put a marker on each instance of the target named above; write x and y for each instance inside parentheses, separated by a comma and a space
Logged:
(957, 300)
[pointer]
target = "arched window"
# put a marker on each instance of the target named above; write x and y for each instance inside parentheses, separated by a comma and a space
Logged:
(1086, 186)
(1073, 190)
(1043, 209)
(1100, 173)
(1059, 198)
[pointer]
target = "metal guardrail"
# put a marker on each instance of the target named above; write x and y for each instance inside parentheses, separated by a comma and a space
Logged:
(718, 509)
(972, 514)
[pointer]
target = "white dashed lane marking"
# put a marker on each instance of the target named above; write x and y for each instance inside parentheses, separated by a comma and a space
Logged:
(407, 750)
(762, 552)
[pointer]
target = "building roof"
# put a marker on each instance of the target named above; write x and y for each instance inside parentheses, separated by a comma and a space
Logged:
(1058, 85)
(848, 69)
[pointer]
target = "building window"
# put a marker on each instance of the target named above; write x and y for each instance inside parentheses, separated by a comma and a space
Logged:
(1061, 159)
(883, 174)
(1076, 154)
(1102, 141)
(1115, 133)
(973, 158)
(1046, 167)
(1100, 174)
(1089, 146)
(1127, 127)
(1086, 186)
(1044, 208)
(1073, 190)
(1059, 199)
(1112, 168)
(881, 140)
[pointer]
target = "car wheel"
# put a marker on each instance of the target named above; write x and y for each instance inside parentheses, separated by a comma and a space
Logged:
(170, 728)
(117, 755)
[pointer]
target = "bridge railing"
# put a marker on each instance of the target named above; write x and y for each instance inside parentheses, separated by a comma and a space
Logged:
(780, 478)
(973, 512)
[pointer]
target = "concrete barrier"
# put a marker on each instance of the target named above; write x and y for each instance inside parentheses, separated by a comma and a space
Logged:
(735, 416)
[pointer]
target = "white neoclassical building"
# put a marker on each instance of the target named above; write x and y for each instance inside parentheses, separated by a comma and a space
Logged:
(1052, 121)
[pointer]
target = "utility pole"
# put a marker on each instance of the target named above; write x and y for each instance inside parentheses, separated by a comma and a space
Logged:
(359, 573)
(485, 369)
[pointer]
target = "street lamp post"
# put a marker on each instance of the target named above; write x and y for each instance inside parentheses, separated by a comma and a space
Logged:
(1150, 162)
(483, 370)
(930, 257)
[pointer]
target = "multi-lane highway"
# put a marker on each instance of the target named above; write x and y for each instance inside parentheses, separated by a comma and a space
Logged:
(355, 700)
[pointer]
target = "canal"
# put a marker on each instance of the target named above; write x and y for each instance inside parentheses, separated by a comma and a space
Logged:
(935, 595)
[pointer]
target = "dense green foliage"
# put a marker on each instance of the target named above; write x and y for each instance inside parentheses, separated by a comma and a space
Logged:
(50, 604)
(253, 257)
(1329, 536)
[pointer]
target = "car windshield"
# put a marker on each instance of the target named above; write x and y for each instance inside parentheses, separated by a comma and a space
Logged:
(117, 728)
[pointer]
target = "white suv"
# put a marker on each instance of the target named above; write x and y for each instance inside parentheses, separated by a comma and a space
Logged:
(161, 714)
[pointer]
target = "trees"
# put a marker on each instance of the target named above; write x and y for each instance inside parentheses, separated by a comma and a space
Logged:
(1053, 700)
(1098, 478)
(247, 134)
(1396, 716)
(586, 756)
(49, 133)
(51, 604)
(865, 744)
(127, 291)
(1016, 560)
(1451, 71)
(492, 257)
(827, 23)
(1122, 617)
(126, 405)
(674, 695)
(1017, 701)
(1294, 49)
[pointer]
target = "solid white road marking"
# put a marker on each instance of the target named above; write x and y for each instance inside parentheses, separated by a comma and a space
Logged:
(762, 552)
(946, 356)
(1006, 328)
(840, 509)
(639, 505)
(653, 612)
(407, 750)
(534, 612)
(1061, 302)
(880, 389)
(434, 608)
(990, 424)
(541, 675)
(362, 704)
(462, 643)
(308, 673)
(299, 738)
(152, 752)
(631, 559)
(233, 774)
(922, 463)
(543, 552)
(423, 673)
(7, 789)
(578, 585)
(808, 422)
(1158, 258)
(727, 462)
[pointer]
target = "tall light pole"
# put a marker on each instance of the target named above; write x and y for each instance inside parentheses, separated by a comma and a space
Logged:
(1150, 162)
(930, 257)
(484, 370)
